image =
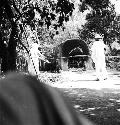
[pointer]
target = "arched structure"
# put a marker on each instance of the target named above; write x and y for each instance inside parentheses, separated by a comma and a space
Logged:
(73, 44)
(70, 48)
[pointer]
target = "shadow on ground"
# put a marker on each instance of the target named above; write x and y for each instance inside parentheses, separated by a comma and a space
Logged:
(100, 106)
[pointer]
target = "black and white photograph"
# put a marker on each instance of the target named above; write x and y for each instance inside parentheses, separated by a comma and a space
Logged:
(59, 62)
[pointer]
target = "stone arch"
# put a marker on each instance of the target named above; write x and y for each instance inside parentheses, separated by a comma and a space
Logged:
(72, 47)
(69, 45)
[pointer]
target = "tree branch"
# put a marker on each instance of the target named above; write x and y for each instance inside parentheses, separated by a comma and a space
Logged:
(23, 46)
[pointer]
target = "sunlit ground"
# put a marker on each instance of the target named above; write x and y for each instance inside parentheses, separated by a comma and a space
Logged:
(83, 79)
(100, 106)
(97, 100)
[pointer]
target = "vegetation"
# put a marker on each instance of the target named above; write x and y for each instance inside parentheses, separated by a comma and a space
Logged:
(101, 19)
(17, 16)
(23, 21)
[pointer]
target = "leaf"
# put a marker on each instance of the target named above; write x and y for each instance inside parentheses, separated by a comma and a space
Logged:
(41, 23)
(52, 16)
(66, 18)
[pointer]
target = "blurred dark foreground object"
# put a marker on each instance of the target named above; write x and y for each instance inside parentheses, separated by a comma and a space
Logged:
(26, 101)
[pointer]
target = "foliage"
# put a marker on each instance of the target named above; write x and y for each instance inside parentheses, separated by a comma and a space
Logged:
(47, 17)
(22, 13)
(47, 12)
(101, 19)
(113, 63)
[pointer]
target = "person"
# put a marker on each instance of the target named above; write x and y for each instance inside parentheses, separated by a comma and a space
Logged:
(33, 63)
(98, 57)
(24, 100)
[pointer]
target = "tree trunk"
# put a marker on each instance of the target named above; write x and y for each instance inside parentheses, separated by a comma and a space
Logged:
(12, 48)
(3, 55)
(8, 53)
(4, 64)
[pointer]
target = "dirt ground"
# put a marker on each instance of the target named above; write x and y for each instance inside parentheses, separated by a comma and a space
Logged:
(100, 106)
(82, 79)
(97, 100)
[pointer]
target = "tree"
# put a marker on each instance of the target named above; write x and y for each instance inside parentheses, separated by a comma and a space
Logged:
(8, 56)
(50, 14)
(100, 20)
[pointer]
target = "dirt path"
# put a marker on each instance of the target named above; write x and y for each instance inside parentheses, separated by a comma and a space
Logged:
(97, 100)
(77, 79)
(100, 106)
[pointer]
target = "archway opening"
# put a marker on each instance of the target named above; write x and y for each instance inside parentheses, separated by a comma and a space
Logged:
(74, 52)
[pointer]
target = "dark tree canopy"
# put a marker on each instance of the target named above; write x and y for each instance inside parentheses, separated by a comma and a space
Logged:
(58, 11)
(99, 20)
(17, 17)
(94, 4)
